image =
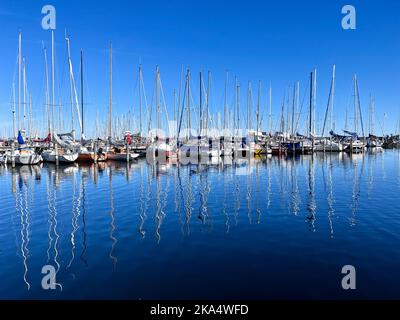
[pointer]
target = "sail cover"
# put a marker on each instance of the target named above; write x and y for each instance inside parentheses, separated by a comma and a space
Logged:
(65, 140)
(353, 134)
(20, 138)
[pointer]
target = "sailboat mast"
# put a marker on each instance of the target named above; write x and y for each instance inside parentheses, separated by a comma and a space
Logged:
(333, 98)
(208, 101)
(225, 99)
(201, 105)
(373, 117)
(293, 109)
(82, 112)
(355, 105)
(270, 110)
(248, 106)
(188, 102)
(13, 112)
(315, 102)
(110, 102)
(288, 112)
(52, 79)
(30, 116)
(297, 106)
(175, 119)
(70, 88)
(234, 105)
(258, 106)
(238, 106)
(24, 91)
(158, 101)
(359, 109)
(329, 106)
(47, 98)
(311, 104)
(140, 99)
(283, 114)
(19, 78)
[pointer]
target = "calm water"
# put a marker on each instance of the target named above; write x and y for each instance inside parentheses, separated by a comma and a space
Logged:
(271, 228)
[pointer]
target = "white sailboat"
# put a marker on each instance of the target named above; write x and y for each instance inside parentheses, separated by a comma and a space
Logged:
(161, 148)
(354, 143)
(64, 151)
(331, 144)
(328, 145)
(24, 155)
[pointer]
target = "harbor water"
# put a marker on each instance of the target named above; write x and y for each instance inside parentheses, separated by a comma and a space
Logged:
(268, 228)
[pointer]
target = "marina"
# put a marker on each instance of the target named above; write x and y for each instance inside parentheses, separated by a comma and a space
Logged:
(191, 134)
(202, 152)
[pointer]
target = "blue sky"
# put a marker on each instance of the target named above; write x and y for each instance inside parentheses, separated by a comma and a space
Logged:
(277, 42)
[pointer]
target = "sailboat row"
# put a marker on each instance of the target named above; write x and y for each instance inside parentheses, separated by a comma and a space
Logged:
(211, 137)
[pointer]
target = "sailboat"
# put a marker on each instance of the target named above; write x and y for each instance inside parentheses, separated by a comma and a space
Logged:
(64, 150)
(64, 156)
(88, 154)
(331, 144)
(140, 142)
(298, 143)
(328, 145)
(122, 152)
(24, 155)
(353, 144)
(114, 152)
(257, 144)
(161, 147)
(373, 141)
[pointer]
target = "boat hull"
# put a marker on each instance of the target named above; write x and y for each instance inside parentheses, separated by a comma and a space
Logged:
(50, 156)
(24, 158)
(91, 157)
(329, 147)
(355, 147)
(122, 156)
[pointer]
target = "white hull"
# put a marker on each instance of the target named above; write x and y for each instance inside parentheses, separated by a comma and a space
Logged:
(50, 156)
(121, 156)
(329, 146)
(355, 147)
(28, 158)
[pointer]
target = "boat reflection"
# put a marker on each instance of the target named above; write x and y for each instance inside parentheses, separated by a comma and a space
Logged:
(226, 193)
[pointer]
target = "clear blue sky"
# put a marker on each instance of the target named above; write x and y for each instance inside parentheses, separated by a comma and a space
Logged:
(278, 42)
